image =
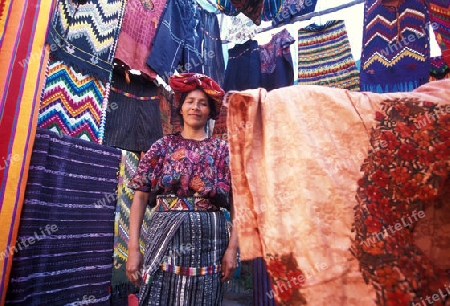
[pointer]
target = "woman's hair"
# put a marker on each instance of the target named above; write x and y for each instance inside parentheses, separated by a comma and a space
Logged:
(211, 104)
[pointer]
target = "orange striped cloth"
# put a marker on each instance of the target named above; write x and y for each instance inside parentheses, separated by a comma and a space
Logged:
(23, 58)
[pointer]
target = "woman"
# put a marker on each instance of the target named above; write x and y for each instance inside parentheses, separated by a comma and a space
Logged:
(190, 251)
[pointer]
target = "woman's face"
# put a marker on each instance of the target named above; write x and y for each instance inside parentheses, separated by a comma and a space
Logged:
(195, 109)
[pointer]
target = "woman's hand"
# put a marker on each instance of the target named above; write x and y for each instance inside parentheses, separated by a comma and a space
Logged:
(135, 258)
(134, 266)
(229, 264)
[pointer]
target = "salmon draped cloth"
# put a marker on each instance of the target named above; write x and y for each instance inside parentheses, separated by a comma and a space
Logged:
(344, 194)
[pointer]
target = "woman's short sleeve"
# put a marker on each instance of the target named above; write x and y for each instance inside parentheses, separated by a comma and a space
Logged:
(144, 178)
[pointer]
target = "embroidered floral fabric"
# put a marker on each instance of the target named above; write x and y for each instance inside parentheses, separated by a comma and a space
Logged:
(184, 167)
(344, 194)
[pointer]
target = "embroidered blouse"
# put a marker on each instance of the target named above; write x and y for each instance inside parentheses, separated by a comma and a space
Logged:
(185, 167)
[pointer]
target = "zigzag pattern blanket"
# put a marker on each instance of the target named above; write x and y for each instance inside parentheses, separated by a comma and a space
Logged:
(72, 103)
(85, 35)
(395, 51)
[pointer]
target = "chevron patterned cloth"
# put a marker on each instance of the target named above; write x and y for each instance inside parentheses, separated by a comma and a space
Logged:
(395, 52)
(325, 58)
(72, 103)
(85, 35)
(120, 284)
(440, 20)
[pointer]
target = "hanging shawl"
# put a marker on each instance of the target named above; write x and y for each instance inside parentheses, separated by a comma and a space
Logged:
(85, 35)
(140, 22)
(325, 57)
(72, 103)
(255, 10)
(345, 194)
(395, 51)
(440, 21)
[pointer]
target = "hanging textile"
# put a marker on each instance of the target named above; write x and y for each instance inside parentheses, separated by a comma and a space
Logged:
(64, 248)
(133, 120)
(325, 57)
(23, 58)
(214, 65)
(439, 69)
(395, 51)
(238, 29)
(73, 103)
(177, 42)
(292, 9)
(85, 35)
(276, 61)
(261, 283)
(440, 21)
(140, 21)
(165, 108)
(349, 212)
(120, 284)
(251, 8)
(244, 67)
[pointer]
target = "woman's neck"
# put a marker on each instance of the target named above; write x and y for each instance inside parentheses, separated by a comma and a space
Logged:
(195, 134)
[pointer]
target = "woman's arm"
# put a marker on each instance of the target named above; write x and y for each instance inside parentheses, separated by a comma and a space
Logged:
(229, 261)
(134, 261)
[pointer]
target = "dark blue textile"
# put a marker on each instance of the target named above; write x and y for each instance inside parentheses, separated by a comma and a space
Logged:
(292, 9)
(277, 69)
(212, 47)
(244, 67)
(177, 43)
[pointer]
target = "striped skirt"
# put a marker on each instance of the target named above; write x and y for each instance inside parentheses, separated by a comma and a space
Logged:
(182, 264)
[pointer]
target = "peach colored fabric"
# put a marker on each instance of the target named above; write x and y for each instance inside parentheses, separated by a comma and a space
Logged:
(296, 155)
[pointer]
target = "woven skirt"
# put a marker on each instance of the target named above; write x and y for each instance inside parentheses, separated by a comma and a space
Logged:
(190, 270)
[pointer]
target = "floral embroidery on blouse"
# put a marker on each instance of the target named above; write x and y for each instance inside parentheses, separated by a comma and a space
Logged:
(185, 167)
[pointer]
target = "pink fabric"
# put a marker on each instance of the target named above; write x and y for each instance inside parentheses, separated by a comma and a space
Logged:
(139, 26)
(312, 187)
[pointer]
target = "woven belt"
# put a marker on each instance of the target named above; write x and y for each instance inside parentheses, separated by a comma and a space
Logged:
(172, 202)
(188, 271)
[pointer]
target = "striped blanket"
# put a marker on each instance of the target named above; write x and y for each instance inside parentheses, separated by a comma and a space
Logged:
(23, 24)
(325, 58)
(63, 254)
